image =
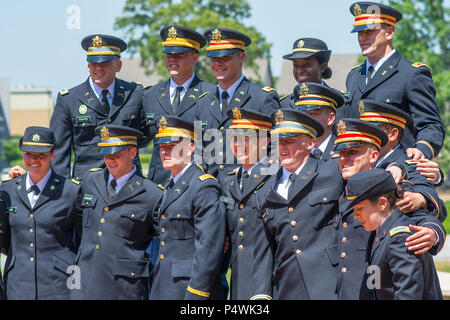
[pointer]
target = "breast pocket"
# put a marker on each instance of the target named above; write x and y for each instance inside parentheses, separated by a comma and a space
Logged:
(182, 221)
(88, 202)
(325, 203)
(131, 118)
(390, 96)
(84, 129)
(130, 220)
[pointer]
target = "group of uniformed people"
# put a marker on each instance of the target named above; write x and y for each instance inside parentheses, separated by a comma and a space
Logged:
(322, 187)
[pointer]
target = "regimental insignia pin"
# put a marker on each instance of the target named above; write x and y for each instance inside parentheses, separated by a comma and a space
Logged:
(216, 35)
(237, 114)
(104, 133)
(192, 96)
(279, 117)
(304, 90)
(361, 107)
(357, 10)
(36, 137)
(163, 123)
(52, 187)
(341, 127)
(172, 33)
(301, 44)
(82, 109)
(120, 94)
(97, 41)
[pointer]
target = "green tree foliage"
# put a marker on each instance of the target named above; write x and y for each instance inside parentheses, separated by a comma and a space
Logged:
(143, 20)
(423, 35)
(11, 152)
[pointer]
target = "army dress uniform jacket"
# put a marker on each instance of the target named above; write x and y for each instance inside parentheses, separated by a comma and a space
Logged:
(78, 112)
(157, 103)
(295, 250)
(403, 275)
(191, 229)
(408, 87)
(39, 240)
(114, 237)
(248, 95)
(242, 218)
(353, 242)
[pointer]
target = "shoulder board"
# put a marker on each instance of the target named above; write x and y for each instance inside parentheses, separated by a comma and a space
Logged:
(6, 179)
(283, 97)
(203, 94)
(64, 92)
(95, 169)
(147, 87)
(399, 229)
(268, 89)
(359, 65)
(160, 186)
(137, 82)
(75, 181)
(410, 162)
(201, 168)
(420, 64)
(207, 176)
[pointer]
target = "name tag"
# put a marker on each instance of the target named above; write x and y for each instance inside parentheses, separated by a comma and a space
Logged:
(226, 200)
(87, 198)
(82, 119)
(150, 116)
(11, 210)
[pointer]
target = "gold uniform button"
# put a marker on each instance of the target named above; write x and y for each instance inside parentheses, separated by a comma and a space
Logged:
(221, 167)
(161, 257)
(31, 244)
(293, 223)
(343, 255)
(133, 216)
(295, 238)
(163, 217)
(31, 230)
(241, 220)
(241, 247)
(97, 247)
(344, 240)
(106, 209)
(31, 216)
(100, 233)
(345, 225)
(163, 243)
(31, 259)
(298, 252)
(178, 216)
(132, 274)
(344, 270)
(163, 230)
(291, 209)
(221, 128)
(241, 234)
(325, 199)
(109, 120)
(102, 221)
(241, 206)
(221, 141)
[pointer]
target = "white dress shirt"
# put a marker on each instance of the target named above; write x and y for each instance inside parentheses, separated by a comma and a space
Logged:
(122, 180)
(283, 185)
(173, 87)
(98, 91)
(32, 196)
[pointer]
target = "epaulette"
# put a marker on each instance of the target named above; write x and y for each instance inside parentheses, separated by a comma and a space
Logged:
(399, 229)
(137, 82)
(283, 97)
(201, 168)
(147, 87)
(75, 181)
(95, 169)
(64, 92)
(203, 94)
(420, 64)
(160, 186)
(6, 179)
(207, 176)
(355, 67)
(268, 89)
(335, 155)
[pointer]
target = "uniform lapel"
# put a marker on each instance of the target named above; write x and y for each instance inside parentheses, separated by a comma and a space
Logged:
(254, 180)
(120, 95)
(214, 106)
(361, 77)
(21, 189)
(53, 185)
(305, 176)
(234, 188)
(133, 187)
(190, 97)
(328, 152)
(272, 195)
(393, 157)
(89, 99)
(100, 183)
(163, 97)
(179, 188)
(383, 231)
(387, 69)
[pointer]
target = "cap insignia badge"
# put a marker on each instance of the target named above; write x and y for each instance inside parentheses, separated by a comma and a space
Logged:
(104, 133)
(163, 123)
(216, 35)
(279, 117)
(304, 90)
(361, 107)
(172, 33)
(97, 41)
(357, 10)
(237, 115)
(341, 128)
(36, 137)
(301, 44)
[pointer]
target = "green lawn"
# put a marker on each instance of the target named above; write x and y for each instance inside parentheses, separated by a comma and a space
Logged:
(447, 221)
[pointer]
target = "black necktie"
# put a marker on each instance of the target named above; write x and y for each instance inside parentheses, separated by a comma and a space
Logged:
(317, 153)
(170, 184)
(291, 186)
(112, 189)
(34, 188)
(224, 102)
(176, 99)
(105, 103)
(244, 181)
(369, 74)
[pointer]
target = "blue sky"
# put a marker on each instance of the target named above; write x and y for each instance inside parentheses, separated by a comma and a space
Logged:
(41, 50)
